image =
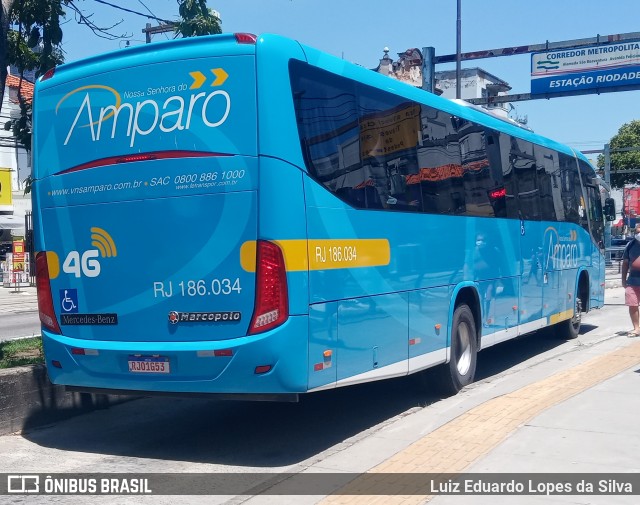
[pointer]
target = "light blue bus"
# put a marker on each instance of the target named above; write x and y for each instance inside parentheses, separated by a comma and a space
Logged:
(251, 217)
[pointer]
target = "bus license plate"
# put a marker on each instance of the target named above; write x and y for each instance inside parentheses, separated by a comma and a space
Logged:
(149, 364)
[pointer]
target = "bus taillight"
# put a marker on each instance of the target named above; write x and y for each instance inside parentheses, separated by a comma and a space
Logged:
(45, 300)
(272, 303)
(245, 38)
(48, 74)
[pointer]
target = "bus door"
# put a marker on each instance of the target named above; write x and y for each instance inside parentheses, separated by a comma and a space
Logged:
(596, 218)
(555, 188)
(532, 280)
(524, 183)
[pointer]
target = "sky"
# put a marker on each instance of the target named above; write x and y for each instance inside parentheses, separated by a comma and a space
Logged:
(358, 31)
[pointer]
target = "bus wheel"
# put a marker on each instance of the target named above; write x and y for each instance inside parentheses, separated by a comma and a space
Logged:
(570, 328)
(460, 370)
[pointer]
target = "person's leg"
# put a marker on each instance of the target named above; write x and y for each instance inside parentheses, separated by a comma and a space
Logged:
(631, 299)
(633, 312)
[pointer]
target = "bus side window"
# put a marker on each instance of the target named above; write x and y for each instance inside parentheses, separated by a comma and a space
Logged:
(550, 201)
(479, 176)
(523, 164)
(570, 196)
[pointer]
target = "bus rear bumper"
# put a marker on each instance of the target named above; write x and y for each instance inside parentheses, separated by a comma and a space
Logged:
(246, 397)
(274, 362)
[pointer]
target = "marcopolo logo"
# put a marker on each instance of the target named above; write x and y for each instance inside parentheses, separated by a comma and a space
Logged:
(176, 317)
(143, 117)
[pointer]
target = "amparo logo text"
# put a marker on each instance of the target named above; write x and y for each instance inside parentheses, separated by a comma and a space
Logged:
(143, 117)
(562, 252)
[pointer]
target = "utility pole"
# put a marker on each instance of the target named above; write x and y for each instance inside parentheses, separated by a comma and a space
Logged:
(428, 69)
(149, 30)
(607, 179)
(607, 164)
(458, 49)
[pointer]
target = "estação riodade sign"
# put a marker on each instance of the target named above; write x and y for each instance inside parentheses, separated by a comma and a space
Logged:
(611, 65)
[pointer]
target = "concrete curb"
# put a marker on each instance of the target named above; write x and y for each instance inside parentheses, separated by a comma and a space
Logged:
(28, 400)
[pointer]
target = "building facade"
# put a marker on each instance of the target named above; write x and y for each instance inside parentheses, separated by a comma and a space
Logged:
(474, 82)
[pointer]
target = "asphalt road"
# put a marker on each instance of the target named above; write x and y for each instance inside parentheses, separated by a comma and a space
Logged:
(20, 324)
(18, 313)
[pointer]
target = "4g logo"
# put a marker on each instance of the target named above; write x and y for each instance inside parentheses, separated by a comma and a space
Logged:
(87, 263)
(79, 265)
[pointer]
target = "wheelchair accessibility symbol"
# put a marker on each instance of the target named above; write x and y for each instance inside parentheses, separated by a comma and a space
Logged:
(69, 301)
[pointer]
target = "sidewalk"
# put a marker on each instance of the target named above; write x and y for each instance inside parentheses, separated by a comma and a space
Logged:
(613, 276)
(16, 300)
(559, 429)
(562, 416)
(595, 431)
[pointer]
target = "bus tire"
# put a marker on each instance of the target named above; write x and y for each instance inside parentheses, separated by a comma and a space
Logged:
(570, 328)
(461, 368)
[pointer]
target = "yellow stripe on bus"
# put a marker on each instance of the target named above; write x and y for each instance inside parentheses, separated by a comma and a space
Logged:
(560, 316)
(348, 253)
(53, 264)
(300, 255)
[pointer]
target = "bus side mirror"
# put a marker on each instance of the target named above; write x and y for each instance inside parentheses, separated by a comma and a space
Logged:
(610, 209)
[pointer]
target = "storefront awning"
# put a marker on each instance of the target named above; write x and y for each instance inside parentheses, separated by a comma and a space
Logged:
(10, 222)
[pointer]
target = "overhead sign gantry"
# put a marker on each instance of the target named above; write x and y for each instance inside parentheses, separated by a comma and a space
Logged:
(590, 67)
(601, 64)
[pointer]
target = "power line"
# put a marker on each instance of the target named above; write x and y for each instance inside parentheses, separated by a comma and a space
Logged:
(144, 5)
(148, 16)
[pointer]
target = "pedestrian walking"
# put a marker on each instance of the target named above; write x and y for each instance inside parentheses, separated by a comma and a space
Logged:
(631, 280)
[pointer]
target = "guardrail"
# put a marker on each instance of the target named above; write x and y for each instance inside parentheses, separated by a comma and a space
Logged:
(614, 254)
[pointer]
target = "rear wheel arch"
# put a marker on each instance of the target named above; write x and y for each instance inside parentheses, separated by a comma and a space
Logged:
(468, 295)
(583, 290)
(570, 328)
(464, 343)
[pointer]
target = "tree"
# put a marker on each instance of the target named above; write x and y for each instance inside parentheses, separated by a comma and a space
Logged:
(197, 19)
(35, 43)
(5, 10)
(628, 136)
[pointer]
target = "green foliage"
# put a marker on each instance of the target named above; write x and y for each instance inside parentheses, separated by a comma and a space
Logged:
(35, 44)
(197, 19)
(37, 21)
(21, 128)
(25, 351)
(628, 136)
(20, 54)
(28, 184)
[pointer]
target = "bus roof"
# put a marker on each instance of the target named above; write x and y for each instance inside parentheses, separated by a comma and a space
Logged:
(187, 48)
(196, 47)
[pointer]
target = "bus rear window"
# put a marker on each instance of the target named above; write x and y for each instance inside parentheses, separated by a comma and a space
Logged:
(184, 106)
